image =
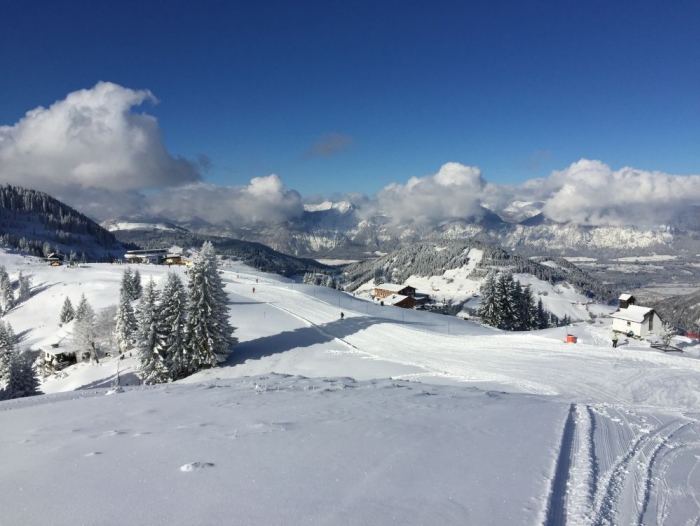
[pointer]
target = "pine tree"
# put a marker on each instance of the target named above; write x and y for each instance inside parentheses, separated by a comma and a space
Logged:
(83, 308)
(127, 284)
(503, 292)
(152, 368)
(209, 334)
(25, 286)
(136, 284)
(487, 306)
(7, 347)
(83, 258)
(528, 309)
(171, 323)
(84, 332)
(21, 379)
(542, 319)
(126, 325)
(67, 312)
(7, 296)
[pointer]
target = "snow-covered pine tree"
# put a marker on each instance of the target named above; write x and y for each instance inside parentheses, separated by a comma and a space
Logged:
(84, 332)
(106, 329)
(329, 282)
(21, 379)
(83, 308)
(209, 334)
(136, 284)
(126, 325)
(7, 347)
(7, 296)
(83, 258)
(530, 309)
(25, 287)
(171, 325)
(67, 312)
(127, 284)
(152, 368)
(487, 306)
(503, 292)
(72, 258)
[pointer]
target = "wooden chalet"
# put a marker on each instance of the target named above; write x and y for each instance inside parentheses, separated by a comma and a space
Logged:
(399, 300)
(388, 289)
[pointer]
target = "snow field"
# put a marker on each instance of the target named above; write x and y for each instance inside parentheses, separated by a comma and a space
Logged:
(297, 451)
(530, 430)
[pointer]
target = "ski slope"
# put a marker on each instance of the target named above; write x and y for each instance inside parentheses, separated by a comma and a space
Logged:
(386, 416)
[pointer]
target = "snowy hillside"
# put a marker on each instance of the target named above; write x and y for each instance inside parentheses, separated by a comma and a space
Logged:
(452, 272)
(388, 416)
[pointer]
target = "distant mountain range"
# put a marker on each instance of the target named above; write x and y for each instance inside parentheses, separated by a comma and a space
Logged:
(340, 230)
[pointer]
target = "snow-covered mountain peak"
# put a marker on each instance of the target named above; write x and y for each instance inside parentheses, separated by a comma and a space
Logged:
(342, 207)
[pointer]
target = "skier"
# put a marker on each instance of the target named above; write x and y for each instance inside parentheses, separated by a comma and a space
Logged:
(253, 290)
(614, 340)
(342, 316)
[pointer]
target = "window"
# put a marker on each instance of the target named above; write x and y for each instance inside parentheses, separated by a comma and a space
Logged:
(651, 323)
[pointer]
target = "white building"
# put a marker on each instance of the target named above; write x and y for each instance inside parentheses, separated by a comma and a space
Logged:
(639, 321)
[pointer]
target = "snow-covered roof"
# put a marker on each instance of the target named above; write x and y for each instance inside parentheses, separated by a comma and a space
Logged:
(625, 297)
(394, 299)
(632, 313)
(392, 287)
(63, 337)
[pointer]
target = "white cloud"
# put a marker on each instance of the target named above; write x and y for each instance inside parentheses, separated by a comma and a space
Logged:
(591, 193)
(453, 192)
(91, 139)
(264, 200)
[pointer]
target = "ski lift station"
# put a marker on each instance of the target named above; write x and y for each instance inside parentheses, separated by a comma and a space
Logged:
(154, 256)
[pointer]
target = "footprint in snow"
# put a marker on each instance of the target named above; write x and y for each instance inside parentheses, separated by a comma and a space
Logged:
(196, 466)
(93, 454)
(115, 432)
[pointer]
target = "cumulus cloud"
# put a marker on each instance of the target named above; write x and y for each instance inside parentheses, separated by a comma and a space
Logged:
(91, 139)
(453, 192)
(591, 193)
(328, 145)
(264, 200)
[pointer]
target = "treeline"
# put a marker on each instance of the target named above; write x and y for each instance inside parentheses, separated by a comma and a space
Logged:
(313, 278)
(253, 254)
(507, 305)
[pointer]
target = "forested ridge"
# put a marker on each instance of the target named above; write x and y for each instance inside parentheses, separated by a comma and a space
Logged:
(433, 258)
(253, 254)
(35, 222)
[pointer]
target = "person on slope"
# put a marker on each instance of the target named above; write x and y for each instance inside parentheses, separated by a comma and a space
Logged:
(342, 316)
(614, 340)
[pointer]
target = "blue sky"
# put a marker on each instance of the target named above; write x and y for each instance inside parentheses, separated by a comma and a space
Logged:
(348, 97)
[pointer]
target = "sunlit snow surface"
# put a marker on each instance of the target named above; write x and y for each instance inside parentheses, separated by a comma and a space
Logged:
(389, 416)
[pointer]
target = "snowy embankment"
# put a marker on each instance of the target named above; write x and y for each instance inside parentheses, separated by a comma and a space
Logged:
(529, 430)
